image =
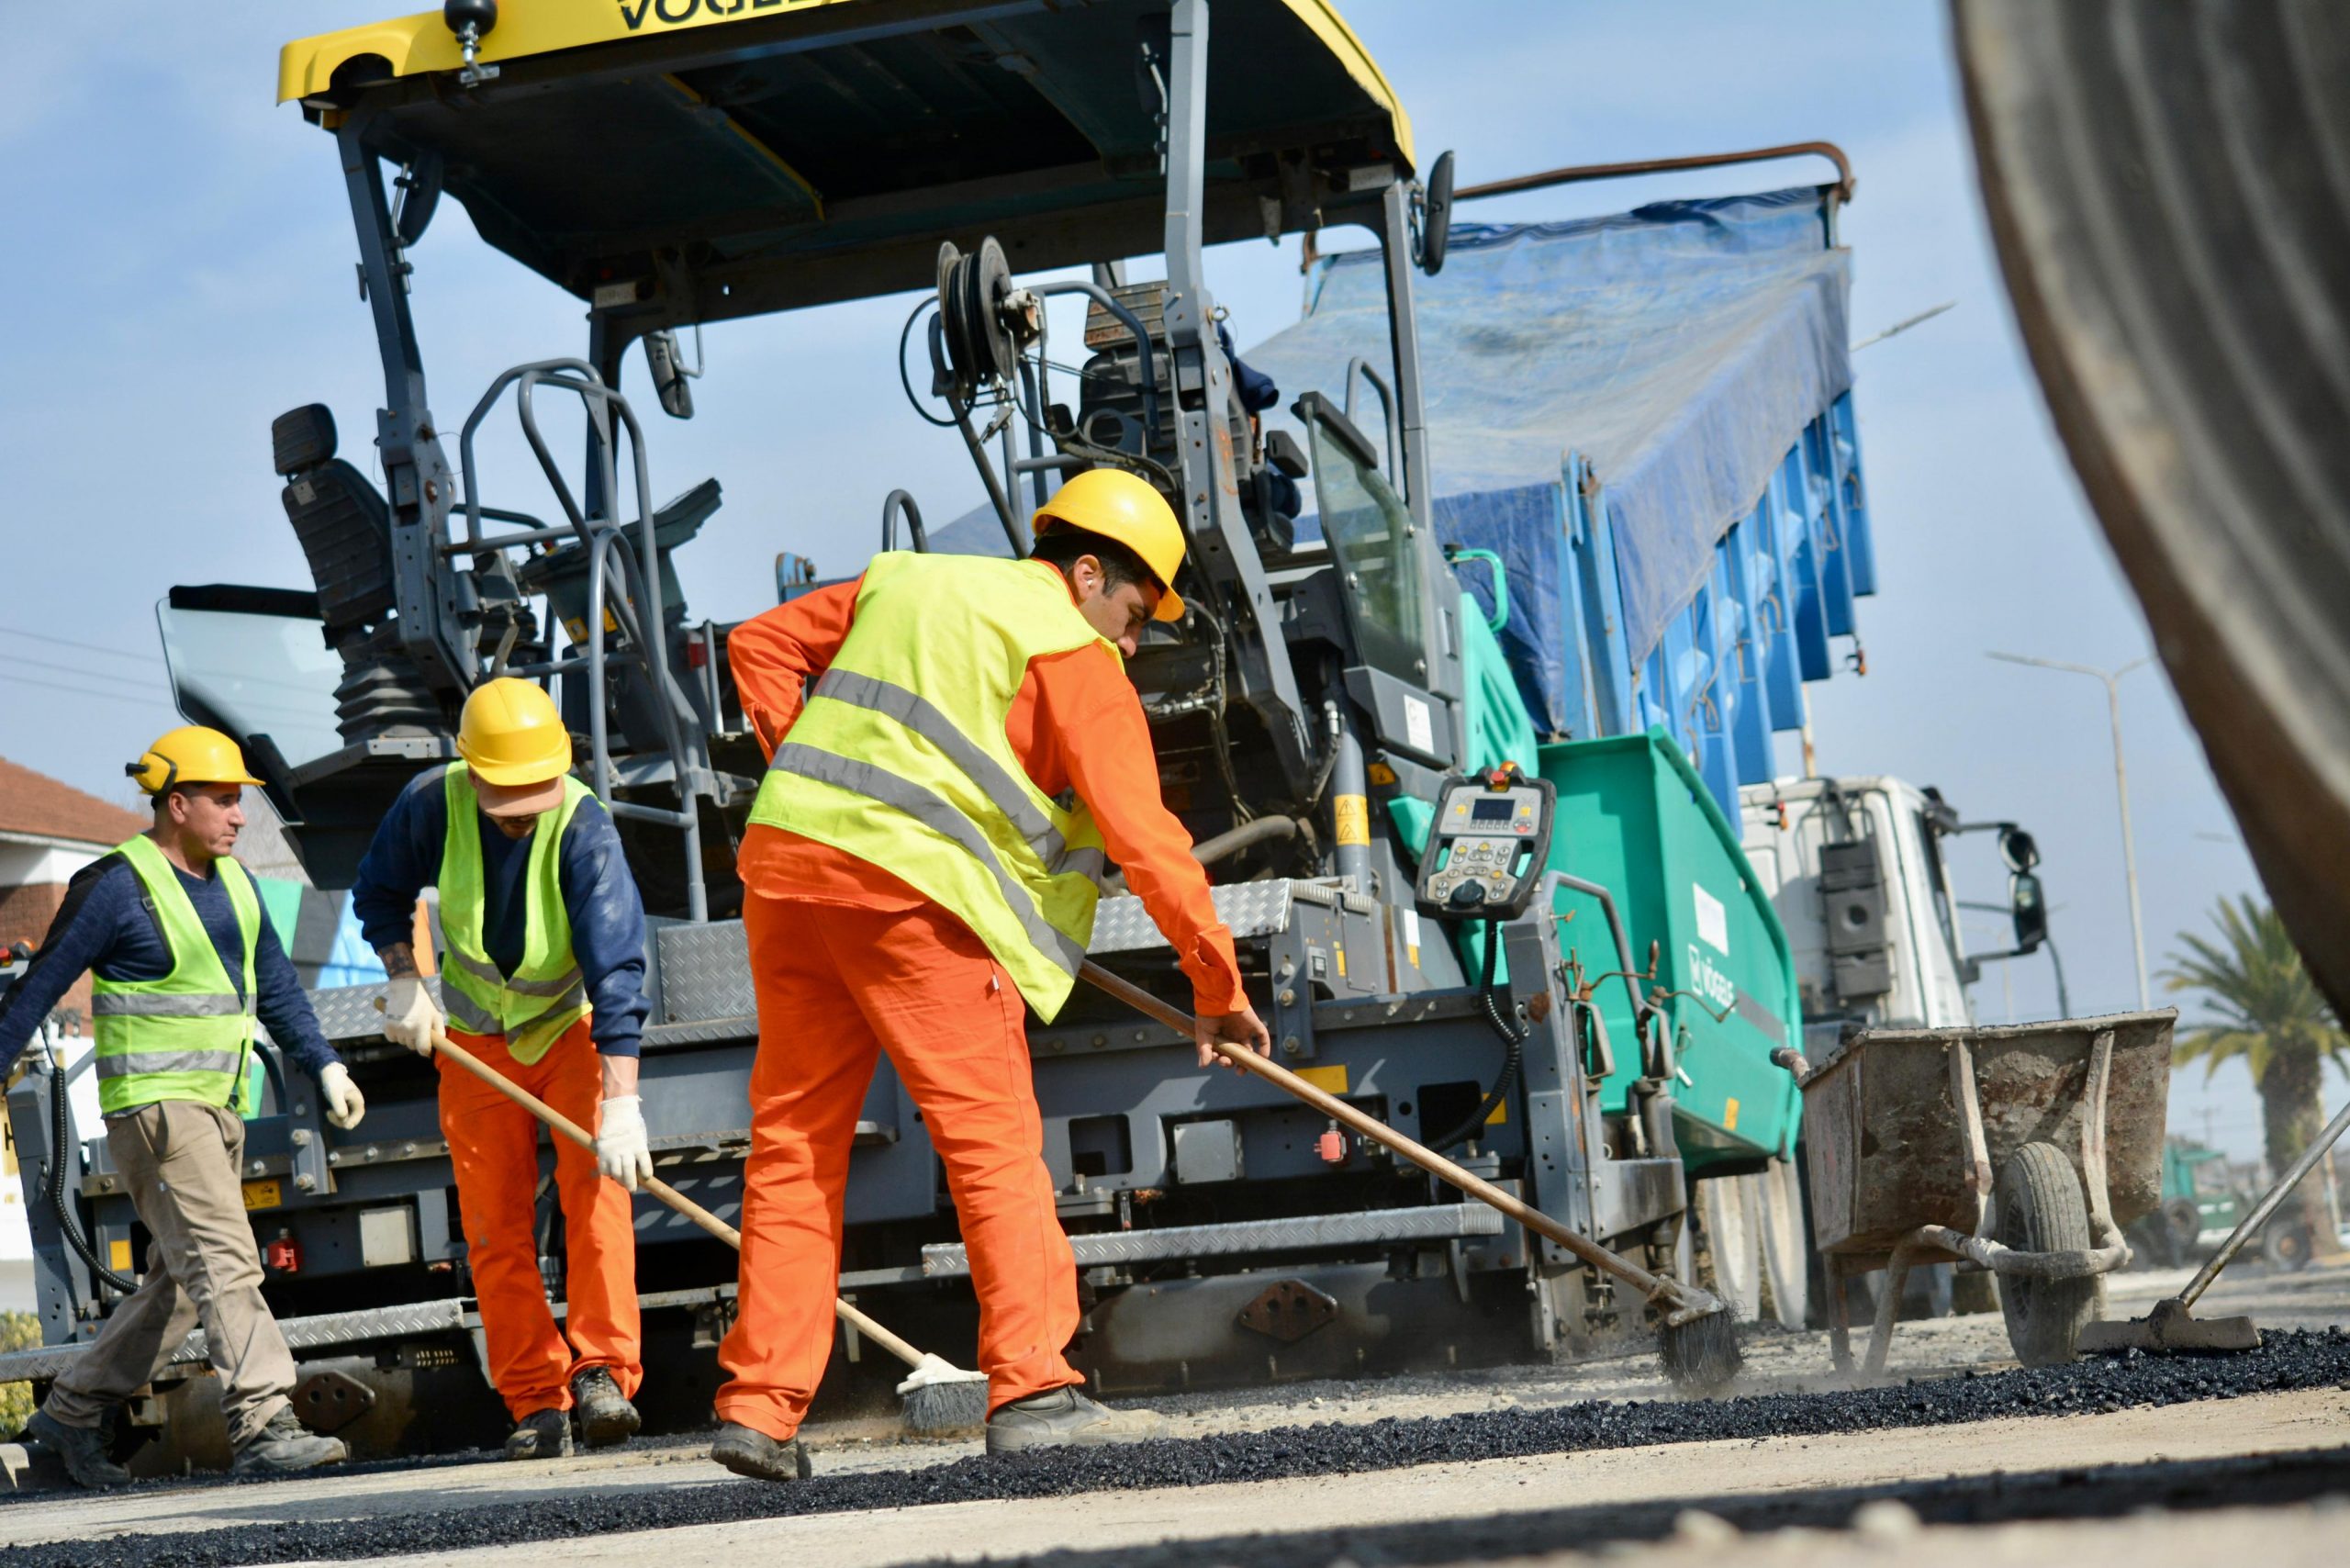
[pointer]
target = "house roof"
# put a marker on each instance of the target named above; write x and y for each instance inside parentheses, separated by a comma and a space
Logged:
(34, 803)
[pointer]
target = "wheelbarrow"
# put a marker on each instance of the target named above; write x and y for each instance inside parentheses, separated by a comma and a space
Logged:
(2022, 1149)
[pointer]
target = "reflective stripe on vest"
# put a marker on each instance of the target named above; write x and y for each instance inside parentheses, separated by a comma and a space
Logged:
(900, 758)
(187, 1036)
(546, 994)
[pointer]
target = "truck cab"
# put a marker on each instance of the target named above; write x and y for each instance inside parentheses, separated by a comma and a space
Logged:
(1854, 867)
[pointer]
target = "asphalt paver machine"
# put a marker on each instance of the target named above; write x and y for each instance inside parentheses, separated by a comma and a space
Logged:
(675, 164)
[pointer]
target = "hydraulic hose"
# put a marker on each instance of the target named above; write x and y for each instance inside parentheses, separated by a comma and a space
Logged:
(1513, 1054)
(61, 1134)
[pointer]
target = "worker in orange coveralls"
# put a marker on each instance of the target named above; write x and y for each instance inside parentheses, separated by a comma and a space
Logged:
(912, 883)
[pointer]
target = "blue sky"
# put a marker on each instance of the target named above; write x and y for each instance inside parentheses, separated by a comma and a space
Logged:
(181, 262)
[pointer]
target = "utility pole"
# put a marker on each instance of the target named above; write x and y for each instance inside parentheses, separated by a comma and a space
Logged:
(2112, 680)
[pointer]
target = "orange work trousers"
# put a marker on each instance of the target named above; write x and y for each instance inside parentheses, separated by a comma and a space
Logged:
(838, 985)
(494, 1143)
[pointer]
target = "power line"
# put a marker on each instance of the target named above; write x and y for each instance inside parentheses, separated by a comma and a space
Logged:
(6, 681)
(86, 647)
(10, 661)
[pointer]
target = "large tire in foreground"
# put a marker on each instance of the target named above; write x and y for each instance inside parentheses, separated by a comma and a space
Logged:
(2040, 1208)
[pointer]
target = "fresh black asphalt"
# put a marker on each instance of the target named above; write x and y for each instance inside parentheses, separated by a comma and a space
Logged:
(2288, 1362)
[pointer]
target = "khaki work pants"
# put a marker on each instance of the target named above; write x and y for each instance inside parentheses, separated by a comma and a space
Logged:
(179, 1161)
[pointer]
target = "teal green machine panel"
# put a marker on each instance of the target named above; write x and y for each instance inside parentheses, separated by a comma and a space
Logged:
(1634, 816)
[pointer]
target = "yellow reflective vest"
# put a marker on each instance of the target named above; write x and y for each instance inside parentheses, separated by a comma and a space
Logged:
(900, 758)
(187, 1036)
(546, 993)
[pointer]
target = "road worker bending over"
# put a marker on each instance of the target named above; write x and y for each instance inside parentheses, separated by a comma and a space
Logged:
(547, 953)
(183, 962)
(913, 884)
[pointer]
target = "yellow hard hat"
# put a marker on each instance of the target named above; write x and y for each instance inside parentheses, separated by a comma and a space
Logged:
(1122, 506)
(510, 734)
(189, 755)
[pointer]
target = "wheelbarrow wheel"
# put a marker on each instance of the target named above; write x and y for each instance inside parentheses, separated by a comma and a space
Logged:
(2040, 1208)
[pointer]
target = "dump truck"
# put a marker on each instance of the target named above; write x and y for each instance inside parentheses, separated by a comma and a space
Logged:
(1630, 620)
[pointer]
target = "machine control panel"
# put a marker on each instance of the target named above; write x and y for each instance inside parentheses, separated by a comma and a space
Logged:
(1488, 847)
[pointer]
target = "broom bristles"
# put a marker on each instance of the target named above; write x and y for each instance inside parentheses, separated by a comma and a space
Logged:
(1701, 1356)
(936, 1408)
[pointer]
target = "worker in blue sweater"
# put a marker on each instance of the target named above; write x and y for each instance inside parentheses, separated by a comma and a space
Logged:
(183, 963)
(545, 955)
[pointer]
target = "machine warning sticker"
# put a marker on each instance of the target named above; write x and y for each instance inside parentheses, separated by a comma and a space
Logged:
(1352, 816)
(1713, 921)
(1420, 726)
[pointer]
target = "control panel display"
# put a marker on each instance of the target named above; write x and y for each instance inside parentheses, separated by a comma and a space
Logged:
(1487, 847)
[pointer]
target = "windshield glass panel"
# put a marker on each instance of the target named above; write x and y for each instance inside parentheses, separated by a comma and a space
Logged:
(255, 675)
(1369, 532)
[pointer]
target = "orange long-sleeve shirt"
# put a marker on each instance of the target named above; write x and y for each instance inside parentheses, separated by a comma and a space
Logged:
(1076, 724)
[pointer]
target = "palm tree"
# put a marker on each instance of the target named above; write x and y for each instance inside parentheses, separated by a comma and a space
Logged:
(2266, 1011)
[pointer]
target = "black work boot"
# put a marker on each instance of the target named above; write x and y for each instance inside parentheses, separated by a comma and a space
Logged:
(81, 1450)
(1066, 1419)
(541, 1434)
(747, 1452)
(604, 1413)
(282, 1445)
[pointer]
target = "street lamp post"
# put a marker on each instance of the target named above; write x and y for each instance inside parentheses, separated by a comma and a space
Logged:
(2112, 680)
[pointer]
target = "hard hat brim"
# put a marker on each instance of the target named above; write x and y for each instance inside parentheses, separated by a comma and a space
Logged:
(525, 798)
(1170, 606)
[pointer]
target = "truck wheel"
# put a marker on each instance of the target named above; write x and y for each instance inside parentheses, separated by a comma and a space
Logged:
(1726, 1208)
(2040, 1208)
(1787, 1244)
(2287, 1246)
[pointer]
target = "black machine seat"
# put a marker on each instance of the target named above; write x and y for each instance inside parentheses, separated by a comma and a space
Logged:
(339, 516)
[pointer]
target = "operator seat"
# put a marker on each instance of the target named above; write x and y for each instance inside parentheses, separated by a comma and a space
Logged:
(339, 516)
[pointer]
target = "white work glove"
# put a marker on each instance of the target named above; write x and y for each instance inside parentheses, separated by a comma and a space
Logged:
(344, 1104)
(621, 1151)
(409, 1016)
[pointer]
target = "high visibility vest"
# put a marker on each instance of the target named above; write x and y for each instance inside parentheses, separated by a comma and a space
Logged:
(900, 758)
(546, 994)
(187, 1036)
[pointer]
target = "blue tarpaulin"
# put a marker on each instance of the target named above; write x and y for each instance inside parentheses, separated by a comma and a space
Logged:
(1680, 351)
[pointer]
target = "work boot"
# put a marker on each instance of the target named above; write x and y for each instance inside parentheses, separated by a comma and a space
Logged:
(81, 1450)
(604, 1413)
(748, 1452)
(1066, 1419)
(282, 1445)
(541, 1434)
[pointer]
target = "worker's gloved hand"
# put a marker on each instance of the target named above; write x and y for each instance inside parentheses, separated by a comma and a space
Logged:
(344, 1104)
(1241, 1028)
(621, 1151)
(409, 1016)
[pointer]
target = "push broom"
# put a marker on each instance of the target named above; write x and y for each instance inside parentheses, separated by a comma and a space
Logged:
(2173, 1326)
(938, 1398)
(1698, 1341)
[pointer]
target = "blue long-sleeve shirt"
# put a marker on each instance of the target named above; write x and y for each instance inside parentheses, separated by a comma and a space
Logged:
(106, 927)
(599, 895)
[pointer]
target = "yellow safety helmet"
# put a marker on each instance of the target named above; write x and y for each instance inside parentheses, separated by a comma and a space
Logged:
(189, 755)
(1122, 506)
(510, 735)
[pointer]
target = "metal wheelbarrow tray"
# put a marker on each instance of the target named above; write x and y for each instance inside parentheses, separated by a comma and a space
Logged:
(2022, 1150)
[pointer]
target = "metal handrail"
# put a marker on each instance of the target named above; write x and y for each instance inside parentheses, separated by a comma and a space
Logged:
(1360, 368)
(1845, 183)
(603, 537)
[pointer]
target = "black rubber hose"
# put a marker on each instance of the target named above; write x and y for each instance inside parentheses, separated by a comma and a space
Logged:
(1513, 1055)
(60, 1135)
